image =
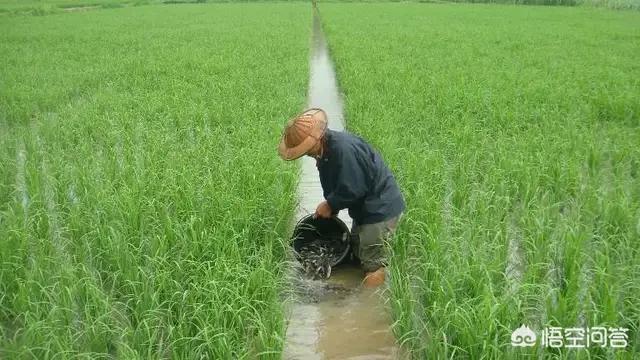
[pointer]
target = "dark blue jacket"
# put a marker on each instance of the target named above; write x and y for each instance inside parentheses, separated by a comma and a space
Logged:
(354, 176)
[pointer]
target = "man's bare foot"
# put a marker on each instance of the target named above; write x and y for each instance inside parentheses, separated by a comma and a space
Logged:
(374, 279)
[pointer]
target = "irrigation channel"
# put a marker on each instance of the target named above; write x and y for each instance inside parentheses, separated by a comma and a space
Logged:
(338, 319)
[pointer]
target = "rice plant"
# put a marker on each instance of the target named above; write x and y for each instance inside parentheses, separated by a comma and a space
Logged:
(514, 134)
(143, 207)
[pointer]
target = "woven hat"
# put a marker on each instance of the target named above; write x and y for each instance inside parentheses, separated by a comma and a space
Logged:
(302, 133)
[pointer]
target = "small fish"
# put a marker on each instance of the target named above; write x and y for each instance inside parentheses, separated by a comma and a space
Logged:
(316, 258)
(319, 251)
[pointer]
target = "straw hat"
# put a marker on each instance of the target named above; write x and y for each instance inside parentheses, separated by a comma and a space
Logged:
(302, 133)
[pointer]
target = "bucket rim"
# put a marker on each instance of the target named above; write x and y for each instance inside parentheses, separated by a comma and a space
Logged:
(342, 224)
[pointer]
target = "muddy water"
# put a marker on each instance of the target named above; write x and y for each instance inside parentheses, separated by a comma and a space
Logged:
(339, 319)
(335, 318)
(323, 93)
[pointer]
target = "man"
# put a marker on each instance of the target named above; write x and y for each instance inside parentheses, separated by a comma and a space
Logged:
(353, 176)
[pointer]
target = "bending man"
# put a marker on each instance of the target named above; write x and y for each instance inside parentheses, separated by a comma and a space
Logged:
(353, 176)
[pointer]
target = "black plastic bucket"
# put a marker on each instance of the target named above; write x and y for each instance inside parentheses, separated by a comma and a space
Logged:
(309, 229)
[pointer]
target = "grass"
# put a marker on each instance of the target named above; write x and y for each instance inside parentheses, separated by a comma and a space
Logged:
(143, 206)
(611, 4)
(48, 7)
(514, 133)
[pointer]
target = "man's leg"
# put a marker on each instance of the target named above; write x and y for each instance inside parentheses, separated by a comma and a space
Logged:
(355, 244)
(371, 249)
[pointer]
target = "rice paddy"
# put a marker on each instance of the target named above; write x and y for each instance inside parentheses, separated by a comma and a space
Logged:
(142, 205)
(514, 133)
(144, 212)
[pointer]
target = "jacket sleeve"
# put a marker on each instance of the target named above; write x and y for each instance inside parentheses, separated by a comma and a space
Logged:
(350, 180)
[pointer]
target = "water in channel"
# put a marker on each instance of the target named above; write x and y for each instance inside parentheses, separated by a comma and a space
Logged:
(338, 319)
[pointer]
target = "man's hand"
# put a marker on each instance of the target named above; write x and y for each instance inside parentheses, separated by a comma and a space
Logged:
(323, 211)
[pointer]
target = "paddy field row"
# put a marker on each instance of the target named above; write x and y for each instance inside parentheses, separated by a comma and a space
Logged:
(143, 208)
(514, 134)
